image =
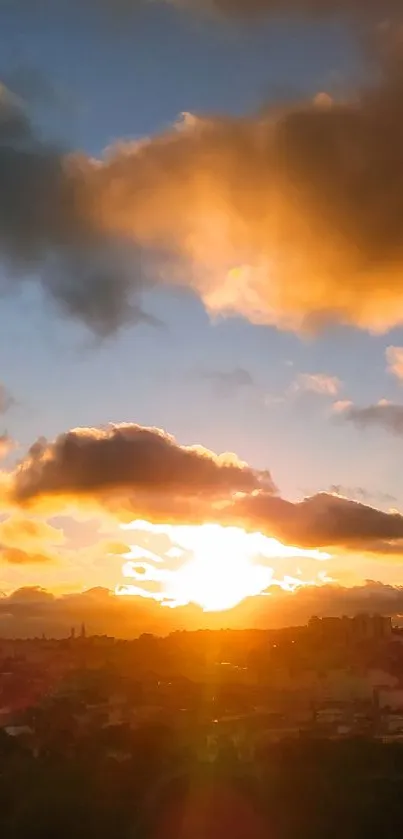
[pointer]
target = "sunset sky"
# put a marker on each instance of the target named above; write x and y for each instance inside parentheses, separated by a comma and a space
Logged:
(202, 246)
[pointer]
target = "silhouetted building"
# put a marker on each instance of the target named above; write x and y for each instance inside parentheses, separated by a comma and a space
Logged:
(351, 630)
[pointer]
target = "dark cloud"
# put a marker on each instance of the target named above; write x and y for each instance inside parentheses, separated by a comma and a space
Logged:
(34, 88)
(30, 612)
(322, 520)
(134, 461)
(235, 9)
(6, 401)
(244, 9)
(228, 382)
(385, 415)
(44, 230)
(335, 601)
(143, 472)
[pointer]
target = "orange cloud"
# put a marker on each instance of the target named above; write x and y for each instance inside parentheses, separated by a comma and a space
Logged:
(394, 358)
(311, 191)
(27, 540)
(259, 201)
(341, 405)
(18, 556)
(7, 444)
(118, 548)
(17, 530)
(136, 472)
(324, 520)
(130, 617)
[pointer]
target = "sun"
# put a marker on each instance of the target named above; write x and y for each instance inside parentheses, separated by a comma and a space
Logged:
(208, 565)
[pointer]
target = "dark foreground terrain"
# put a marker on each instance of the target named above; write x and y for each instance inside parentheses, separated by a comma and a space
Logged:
(150, 784)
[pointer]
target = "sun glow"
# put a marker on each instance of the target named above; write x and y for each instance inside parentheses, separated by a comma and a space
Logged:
(212, 566)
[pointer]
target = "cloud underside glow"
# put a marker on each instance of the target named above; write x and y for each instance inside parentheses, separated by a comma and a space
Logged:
(207, 565)
(132, 472)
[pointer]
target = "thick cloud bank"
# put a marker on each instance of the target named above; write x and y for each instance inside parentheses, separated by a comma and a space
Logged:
(139, 472)
(291, 218)
(31, 611)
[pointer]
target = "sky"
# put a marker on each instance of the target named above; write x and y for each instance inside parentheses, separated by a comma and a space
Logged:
(200, 233)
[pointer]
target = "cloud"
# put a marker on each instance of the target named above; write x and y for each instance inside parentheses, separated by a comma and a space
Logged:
(335, 601)
(30, 594)
(7, 444)
(310, 191)
(362, 494)
(45, 229)
(341, 405)
(6, 399)
(16, 531)
(229, 382)
(18, 556)
(385, 415)
(355, 10)
(249, 9)
(304, 8)
(317, 383)
(144, 468)
(323, 520)
(29, 612)
(136, 472)
(394, 358)
(271, 198)
(26, 541)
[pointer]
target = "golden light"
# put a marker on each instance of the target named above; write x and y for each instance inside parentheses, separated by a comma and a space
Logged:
(209, 565)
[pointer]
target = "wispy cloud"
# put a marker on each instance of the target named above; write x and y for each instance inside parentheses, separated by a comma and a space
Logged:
(28, 541)
(319, 383)
(394, 358)
(362, 494)
(229, 382)
(7, 444)
(273, 399)
(341, 405)
(7, 400)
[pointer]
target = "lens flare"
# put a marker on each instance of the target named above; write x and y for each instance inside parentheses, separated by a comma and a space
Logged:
(209, 565)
